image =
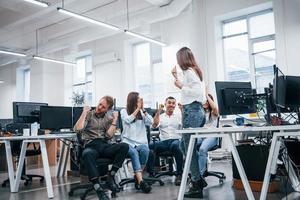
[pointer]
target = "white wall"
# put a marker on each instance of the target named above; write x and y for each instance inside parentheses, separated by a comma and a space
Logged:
(287, 24)
(7, 90)
(197, 27)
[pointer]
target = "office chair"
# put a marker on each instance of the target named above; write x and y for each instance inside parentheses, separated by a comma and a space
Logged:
(220, 175)
(17, 129)
(168, 156)
(102, 164)
(147, 179)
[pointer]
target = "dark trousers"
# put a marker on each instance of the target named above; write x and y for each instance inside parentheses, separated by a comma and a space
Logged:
(99, 148)
(171, 145)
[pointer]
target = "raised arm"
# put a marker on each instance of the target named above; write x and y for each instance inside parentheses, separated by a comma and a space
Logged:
(113, 127)
(81, 121)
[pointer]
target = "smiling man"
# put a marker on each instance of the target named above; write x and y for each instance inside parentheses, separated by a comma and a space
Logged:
(97, 127)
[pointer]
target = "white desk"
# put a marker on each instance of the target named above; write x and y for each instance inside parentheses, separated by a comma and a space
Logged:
(15, 182)
(227, 134)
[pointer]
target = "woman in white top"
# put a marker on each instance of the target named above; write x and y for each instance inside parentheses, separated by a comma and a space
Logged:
(205, 144)
(192, 96)
(134, 121)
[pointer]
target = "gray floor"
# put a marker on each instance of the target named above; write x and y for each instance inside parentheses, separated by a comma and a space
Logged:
(214, 191)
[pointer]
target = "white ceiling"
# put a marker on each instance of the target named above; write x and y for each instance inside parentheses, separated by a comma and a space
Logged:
(20, 20)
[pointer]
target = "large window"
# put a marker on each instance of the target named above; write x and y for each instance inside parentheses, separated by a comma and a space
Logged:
(249, 48)
(149, 80)
(82, 79)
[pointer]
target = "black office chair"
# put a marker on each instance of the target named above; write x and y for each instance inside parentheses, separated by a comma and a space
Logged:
(220, 175)
(17, 129)
(147, 179)
(102, 164)
(168, 156)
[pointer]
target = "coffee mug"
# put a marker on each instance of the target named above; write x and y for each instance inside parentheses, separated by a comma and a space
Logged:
(26, 132)
(239, 121)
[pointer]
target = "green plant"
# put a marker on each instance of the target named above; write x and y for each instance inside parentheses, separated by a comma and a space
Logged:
(78, 99)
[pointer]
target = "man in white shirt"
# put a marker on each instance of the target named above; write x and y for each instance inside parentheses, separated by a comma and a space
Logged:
(168, 123)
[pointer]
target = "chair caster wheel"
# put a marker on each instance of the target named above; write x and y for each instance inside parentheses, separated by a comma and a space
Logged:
(113, 195)
(27, 183)
(221, 181)
(71, 193)
(161, 183)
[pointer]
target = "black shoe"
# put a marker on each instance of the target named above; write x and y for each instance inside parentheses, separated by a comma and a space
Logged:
(195, 191)
(203, 183)
(102, 195)
(178, 180)
(145, 187)
(111, 184)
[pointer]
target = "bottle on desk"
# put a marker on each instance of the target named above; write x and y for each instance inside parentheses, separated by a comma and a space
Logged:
(34, 129)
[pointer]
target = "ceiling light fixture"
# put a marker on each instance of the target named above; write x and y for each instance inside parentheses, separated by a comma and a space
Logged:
(145, 38)
(139, 35)
(12, 53)
(39, 3)
(1, 81)
(82, 17)
(53, 60)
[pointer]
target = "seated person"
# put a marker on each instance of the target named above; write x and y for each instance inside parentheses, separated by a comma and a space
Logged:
(205, 144)
(134, 120)
(168, 123)
(97, 127)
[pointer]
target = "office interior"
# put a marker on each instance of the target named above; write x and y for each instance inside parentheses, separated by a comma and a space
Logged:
(55, 62)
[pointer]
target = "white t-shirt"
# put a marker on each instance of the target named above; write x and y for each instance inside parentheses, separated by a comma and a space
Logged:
(212, 122)
(193, 88)
(168, 126)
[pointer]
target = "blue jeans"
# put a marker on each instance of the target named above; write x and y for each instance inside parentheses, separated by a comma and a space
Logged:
(193, 116)
(204, 144)
(171, 145)
(139, 156)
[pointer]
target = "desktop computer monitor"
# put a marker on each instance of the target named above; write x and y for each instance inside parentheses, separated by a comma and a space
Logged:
(76, 114)
(292, 92)
(279, 88)
(55, 117)
(235, 97)
(26, 112)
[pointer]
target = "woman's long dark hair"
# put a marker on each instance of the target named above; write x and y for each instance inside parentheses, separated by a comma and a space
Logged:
(209, 107)
(131, 106)
(186, 60)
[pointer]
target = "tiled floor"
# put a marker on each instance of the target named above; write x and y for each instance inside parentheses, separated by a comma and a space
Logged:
(214, 191)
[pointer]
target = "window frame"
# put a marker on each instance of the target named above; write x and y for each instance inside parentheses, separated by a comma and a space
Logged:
(251, 42)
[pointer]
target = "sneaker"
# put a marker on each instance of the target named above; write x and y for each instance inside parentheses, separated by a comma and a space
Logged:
(195, 191)
(145, 187)
(178, 180)
(102, 195)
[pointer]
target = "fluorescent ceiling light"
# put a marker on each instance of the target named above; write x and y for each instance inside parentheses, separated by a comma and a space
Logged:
(145, 38)
(1, 81)
(82, 17)
(12, 53)
(39, 3)
(55, 61)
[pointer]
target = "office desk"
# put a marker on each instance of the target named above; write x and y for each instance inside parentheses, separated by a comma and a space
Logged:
(15, 182)
(227, 134)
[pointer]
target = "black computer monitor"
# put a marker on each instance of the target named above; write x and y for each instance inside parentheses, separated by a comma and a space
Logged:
(235, 98)
(292, 92)
(26, 112)
(279, 88)
(76, 114)
(55, 117)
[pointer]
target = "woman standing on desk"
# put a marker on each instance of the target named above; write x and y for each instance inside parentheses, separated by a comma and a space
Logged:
(192, 96)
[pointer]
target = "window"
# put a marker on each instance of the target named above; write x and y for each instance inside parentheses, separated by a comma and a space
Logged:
(27, 84)
(148, 73)
(249, 48)
(82, 78)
